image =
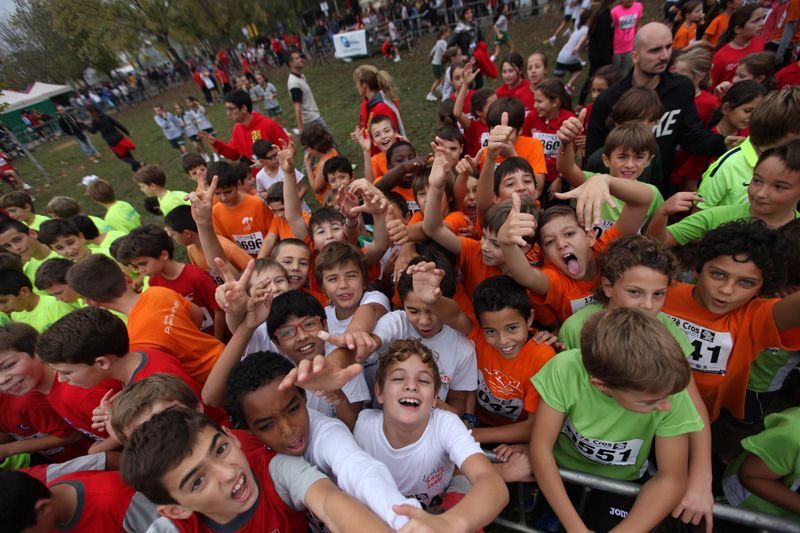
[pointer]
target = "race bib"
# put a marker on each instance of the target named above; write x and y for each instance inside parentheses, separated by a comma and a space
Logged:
(216, 277)
(623, 453)
(627, 22)
(711, 348)
(550, 142)
(509, 408)
(250, 243)
(602, 227)
(579, 303)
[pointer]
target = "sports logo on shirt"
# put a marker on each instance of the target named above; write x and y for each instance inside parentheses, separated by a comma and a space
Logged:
(246, 222)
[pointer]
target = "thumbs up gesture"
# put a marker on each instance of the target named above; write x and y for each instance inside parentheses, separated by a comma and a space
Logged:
(518, 225)
(500, 139)
(572, 128)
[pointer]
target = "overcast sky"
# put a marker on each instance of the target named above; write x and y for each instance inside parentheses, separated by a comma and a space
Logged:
(6, 6)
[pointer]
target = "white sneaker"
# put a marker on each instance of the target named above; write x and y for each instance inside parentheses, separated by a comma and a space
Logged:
(552, 40)
(431, 97)
(206, 158)
(492, 58)
(295, 131)
(216, 157)
(397, 59)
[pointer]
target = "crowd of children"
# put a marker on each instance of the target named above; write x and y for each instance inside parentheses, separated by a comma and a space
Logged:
(349, 338)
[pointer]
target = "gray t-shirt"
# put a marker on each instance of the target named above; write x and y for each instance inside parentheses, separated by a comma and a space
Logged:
(301, 92)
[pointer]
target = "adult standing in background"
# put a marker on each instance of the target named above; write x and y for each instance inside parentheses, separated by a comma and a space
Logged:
(601, 43)
(72, 126)
(306, 110)
(466, 35)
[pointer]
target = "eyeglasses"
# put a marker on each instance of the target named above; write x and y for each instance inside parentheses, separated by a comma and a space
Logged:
(290, 331)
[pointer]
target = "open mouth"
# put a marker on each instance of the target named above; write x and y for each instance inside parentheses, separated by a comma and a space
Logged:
(507, 350)
(15, 387)
(306, 348)
(241, 490)
(297, 445)
(345, 297)
(410, 403)
(294, 279)
(571, 261)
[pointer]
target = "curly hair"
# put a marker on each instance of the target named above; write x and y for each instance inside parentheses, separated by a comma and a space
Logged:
(400, 351)
(255, 371)
(632, 251)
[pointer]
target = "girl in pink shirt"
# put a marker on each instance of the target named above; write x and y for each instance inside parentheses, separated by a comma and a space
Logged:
(626, 17)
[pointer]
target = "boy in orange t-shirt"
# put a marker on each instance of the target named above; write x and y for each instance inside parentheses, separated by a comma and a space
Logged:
(382, 134)
(508, 356)
(159, 318)
(722, 316)
(566, 283)
(279, 228)
(242, 218)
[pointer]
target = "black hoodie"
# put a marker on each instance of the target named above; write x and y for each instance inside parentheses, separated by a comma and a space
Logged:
(679, 124)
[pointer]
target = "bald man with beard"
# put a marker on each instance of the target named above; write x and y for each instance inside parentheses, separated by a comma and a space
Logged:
(679, 124)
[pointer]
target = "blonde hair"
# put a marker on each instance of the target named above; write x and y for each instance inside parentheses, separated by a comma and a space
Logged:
(631, 351)
(140, 396)
(699, 62)
(376, 80)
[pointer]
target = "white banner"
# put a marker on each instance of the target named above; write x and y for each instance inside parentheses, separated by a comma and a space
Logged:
(351, 43)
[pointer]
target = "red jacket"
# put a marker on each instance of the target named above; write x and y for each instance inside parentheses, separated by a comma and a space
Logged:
(244, 135)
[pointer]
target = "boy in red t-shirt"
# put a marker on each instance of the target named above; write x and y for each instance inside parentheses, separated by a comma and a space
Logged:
(179, 459)
(81, 501)
(150, 249)
(567, 281)
(158, 318)
(243, 218)
(723, 317)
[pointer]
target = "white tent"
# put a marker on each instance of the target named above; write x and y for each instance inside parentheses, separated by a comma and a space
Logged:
(38, 92)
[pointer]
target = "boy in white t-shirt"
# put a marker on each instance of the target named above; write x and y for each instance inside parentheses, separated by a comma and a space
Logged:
(281, 420)
(421, 446)
(430, 314)
(265, 154)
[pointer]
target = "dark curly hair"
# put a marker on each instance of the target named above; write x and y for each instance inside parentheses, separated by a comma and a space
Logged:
(632, 251)
(253, 372)
(750, 240)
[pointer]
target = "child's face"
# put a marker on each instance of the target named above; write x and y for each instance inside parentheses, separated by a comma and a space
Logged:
(148, 189)
(198, 173)
(627, 163)
(510, 74)
(383, 134)
(725, 284)
(18, 243)
(298, 337)
(71, 247)
(457, 78)
(491, 253)
(338, 179)
(536, 69)
(639, 287)
(774, 188)
(422, 318)
(568, 246)
(754, 25)
(545, 107)
(278, 418)
(83, 376)
(20, 213)
(506, 330)
(598, 85)
(408, 393)
(215, 479)
(471, 198)
(280, 283)
(326, 232)
(452, 150)
(344, 286)
(518, 181)
(739, 117)
(150, 266)
(742, 74)
(62, 292)
(296, 260)
(19, 372)
(228, 196)
(696, 15)
(400, 155)
(277, 208)
(640, 402)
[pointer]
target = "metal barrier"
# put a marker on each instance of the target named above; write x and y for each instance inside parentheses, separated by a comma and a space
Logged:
(756, 520)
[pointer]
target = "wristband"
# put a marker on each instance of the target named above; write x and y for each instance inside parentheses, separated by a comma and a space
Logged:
(472, 419)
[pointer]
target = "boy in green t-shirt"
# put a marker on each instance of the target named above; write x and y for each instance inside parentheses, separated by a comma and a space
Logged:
(603, 408)
(766, 476)
(773, 193)
(65, 239)
(627, 152)
(19, 205)
(97, 242)
(153, 182)
(19, 239)
(23, 305)
(51, 278)
(120, 215)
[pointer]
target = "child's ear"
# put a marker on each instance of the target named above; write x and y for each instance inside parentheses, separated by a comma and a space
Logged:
(530, 319)
(606, 287)
(103, 362)
(378, 395)
(164, 255)
(650, 159)
(599, 384)
(591, 236)
(606, 161)
(43, 509)
(174, 511)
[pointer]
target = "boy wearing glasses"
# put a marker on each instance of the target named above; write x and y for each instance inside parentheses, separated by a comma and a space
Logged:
(295, 321)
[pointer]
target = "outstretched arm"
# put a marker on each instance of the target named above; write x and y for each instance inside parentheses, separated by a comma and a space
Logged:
(201, 202)
(432, 224)
(469, 73)
(291, 196)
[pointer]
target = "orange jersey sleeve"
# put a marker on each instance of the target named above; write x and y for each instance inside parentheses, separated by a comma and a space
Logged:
(379, 165)
(471, 265)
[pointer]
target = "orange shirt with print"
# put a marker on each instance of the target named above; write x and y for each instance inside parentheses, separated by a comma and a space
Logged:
(379, 166)
(233, 253)
(528, 148)
(318, 170)
(162, 320)
(567, 295)
(684, 36)
(455, 221)
(505, 391)
(717, 27)
(280, 226)
(792, 15)
(246, 224)
(724, 345)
